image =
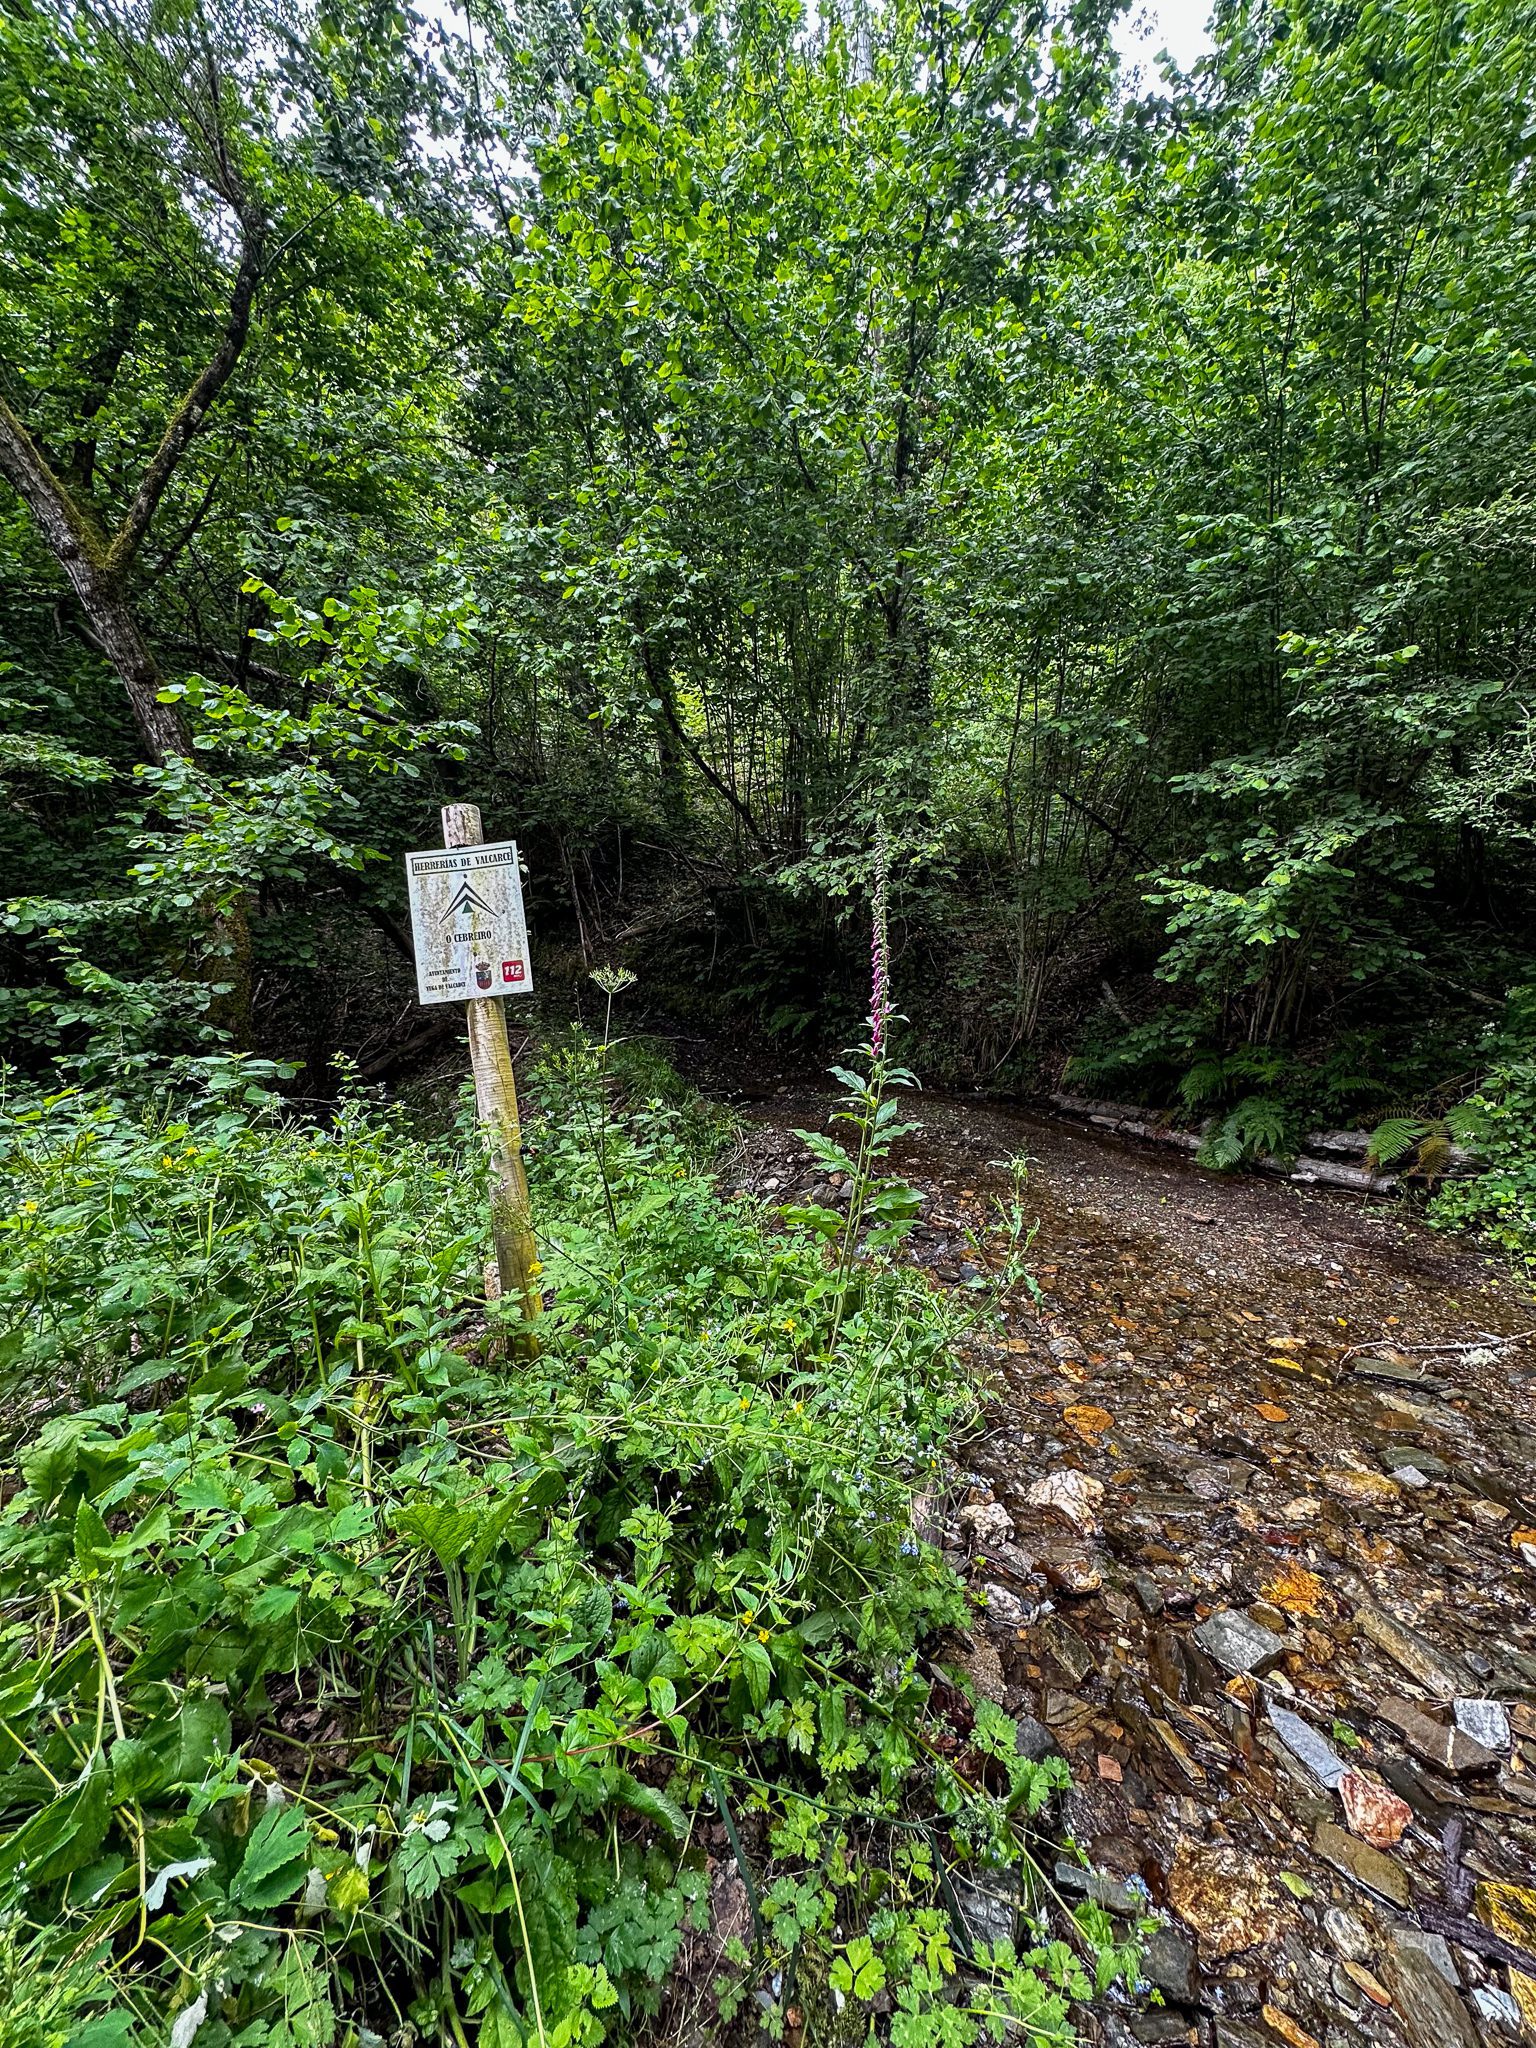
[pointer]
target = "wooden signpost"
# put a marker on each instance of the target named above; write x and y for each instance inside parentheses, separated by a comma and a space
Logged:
(472, 947)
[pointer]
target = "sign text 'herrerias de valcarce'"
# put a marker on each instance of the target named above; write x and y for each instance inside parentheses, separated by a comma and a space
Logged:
(467, 922)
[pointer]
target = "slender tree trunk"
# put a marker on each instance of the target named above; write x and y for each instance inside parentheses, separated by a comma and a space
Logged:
(82, 552)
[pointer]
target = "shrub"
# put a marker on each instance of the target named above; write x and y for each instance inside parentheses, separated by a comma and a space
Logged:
(355, 1678)
(1497, 1123)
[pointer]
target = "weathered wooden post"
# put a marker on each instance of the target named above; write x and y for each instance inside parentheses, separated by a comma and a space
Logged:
(472, 947)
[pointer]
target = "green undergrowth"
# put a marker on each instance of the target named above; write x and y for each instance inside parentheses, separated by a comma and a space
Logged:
(1499, 1123)
(363, 1680)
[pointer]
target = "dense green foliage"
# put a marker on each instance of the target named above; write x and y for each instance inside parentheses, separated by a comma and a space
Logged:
(694, 435)
(353, 1677)
(697, 436)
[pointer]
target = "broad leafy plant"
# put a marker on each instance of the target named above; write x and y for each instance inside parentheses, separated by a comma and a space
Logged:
(354, 1681)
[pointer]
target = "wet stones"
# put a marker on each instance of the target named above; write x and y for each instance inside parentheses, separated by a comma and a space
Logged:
(1363, 1980)
(1004, 1609)
(1067, 1649)
(1239, 1644)
(1408, 1784)
(985, 1523)
(1435, 1947)
(1309, 1748)
(1033, 1740)
(1361, 1863)
(1361, 1487)
(1373, 1811)
(1411, 1465)
(1149, 1594)
(1394, 1372)
(1510, 1910)
(977, 1660)
(1431, 2013)
(1447, 1748)
(1485, 1721)
(1497, 2007)
(1218, 1478)
(1347, 1935)
(1225, 1896)
(1072, 1572)
(989, 1911)
(1077, 1495)
(1168, 1964)
(1409, 1651)
(1108, 1892)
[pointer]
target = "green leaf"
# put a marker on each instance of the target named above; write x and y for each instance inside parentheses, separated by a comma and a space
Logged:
(650, 1804)
(64, 1836)
(275, 1861)
(49, 1464)
(443, 1527)
(136, 1769)
(757, 1666)
(93, 1540)
(203, 1733)
(510, 1524)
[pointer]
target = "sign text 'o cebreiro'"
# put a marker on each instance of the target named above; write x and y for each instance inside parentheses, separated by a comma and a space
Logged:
(467, 923)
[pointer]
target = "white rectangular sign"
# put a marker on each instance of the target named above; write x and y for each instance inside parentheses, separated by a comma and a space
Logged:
(467, 923)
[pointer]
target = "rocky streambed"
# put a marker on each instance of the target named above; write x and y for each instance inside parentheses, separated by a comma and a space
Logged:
(1251, 1533)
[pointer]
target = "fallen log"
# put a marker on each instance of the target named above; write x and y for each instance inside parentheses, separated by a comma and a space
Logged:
(1355, 1144)
(1310, 1168)
(1306, 1170)
(1126, 1122)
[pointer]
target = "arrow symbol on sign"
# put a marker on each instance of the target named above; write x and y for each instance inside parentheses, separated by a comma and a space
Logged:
(465, 898)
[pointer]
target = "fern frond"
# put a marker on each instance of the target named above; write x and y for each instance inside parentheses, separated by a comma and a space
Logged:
(1394, 1136)
(1259, 1124)
(1434, 1155)
(1203, 1080)
(1465, 1121)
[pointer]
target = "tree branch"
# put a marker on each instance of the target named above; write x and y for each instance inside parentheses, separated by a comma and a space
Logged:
(188, 416)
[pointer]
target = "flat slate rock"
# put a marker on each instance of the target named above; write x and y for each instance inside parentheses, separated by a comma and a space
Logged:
(1225, 1895)
(1238, 1643)
(1409, 1651)
(1398, 1456)
(1431, 2013)
(1375, 1813)
(1395, 1375)
(1168, 1964)
(1485, 1721)
(1367, 1866)
(1308, 1747)
(1104, 1891)
(1448, 1749)
(1434, 1946)
(1034, 1741)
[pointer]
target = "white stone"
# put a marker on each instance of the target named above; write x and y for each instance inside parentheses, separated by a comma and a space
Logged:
(986, 1523)
(1077, 1495)
(1486, 1721)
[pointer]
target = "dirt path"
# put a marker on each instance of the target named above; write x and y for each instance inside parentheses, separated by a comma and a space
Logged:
(1299, 1438)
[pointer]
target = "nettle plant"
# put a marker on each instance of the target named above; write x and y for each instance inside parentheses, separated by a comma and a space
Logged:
(355, 1683)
